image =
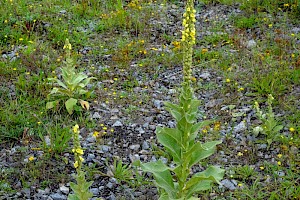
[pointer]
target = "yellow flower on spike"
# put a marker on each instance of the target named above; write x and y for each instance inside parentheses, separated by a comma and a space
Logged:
(75, 128)
(79, 151)
(76, 164)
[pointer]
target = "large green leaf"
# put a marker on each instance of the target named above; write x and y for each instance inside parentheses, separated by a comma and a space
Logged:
(200, 151)
(86, 81)
(77, 79)
(54, 90)
(202, 180)
(172, 132)
(162, 176)
(51, 104)
(171, 140)
(70, 103)
(174, 109)
(59, 82)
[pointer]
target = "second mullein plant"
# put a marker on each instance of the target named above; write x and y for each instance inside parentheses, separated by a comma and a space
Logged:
(175, 181)
(81, 189)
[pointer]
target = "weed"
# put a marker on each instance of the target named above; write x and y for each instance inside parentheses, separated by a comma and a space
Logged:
(72, 87)
(269, 126)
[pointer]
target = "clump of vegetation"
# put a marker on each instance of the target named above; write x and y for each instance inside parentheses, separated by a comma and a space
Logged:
(72, 86)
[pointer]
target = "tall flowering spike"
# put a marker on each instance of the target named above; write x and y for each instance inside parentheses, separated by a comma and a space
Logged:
(78, 151)
(188, 40)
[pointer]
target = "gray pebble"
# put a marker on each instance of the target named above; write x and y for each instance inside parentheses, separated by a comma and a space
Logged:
(228, 184)
(58, 196)
(145, 145)
(96, 115)
(64, 189)
(117, 124)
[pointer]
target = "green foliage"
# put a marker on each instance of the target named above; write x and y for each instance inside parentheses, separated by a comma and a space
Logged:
(72, 86)
(272, 83)
(270, 126)
(121, 172)
(58, 139)
(245, 22)
(180, 144)
(81, 189)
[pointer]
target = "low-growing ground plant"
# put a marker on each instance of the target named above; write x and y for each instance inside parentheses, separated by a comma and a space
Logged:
(177, 182)
(270, 126)
(72, 86)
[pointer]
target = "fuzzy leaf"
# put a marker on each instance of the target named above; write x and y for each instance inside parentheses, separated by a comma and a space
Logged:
(175, 110)
(200, 151)
(70, 103)
(86, 81)
(54, 90)
(277, 128)
(51, 104)
(170, 138)
(77, 79)
(162, 176)
(202, 180)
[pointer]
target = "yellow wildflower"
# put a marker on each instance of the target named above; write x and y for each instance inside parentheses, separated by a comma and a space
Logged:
(279, 163)
(31, 158)
(279, 155)
(79, 151)
(76, 164)
(292, 129)
(95, 134)
(75, 128)
(240, 154)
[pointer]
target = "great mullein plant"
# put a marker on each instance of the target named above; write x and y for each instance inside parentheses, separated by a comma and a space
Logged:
(81, 189)
(177, 182)
(72, 86)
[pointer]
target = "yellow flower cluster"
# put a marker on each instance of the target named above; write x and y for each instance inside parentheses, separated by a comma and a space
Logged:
(77, 150)
(67, 45)
(188, 23)
(188, 40)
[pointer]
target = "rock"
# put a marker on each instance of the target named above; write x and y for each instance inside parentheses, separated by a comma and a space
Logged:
(106, 148)
(26, 192)
(91, 139)
(240, 127)
(251, 44)
(64, 189)
(110, 185)
(90, 157)
(228, 184)
(157, 103)
(280, 173)
(95, 191)
(134, 157)
(205, 76)
(111, 197)
(135, 147)
(62, 12)
(58, 196)
(96, 115)
(171, 91)
(117, 124)
(145, 145)
(262, 146)
(140, 130)
(296, 30)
